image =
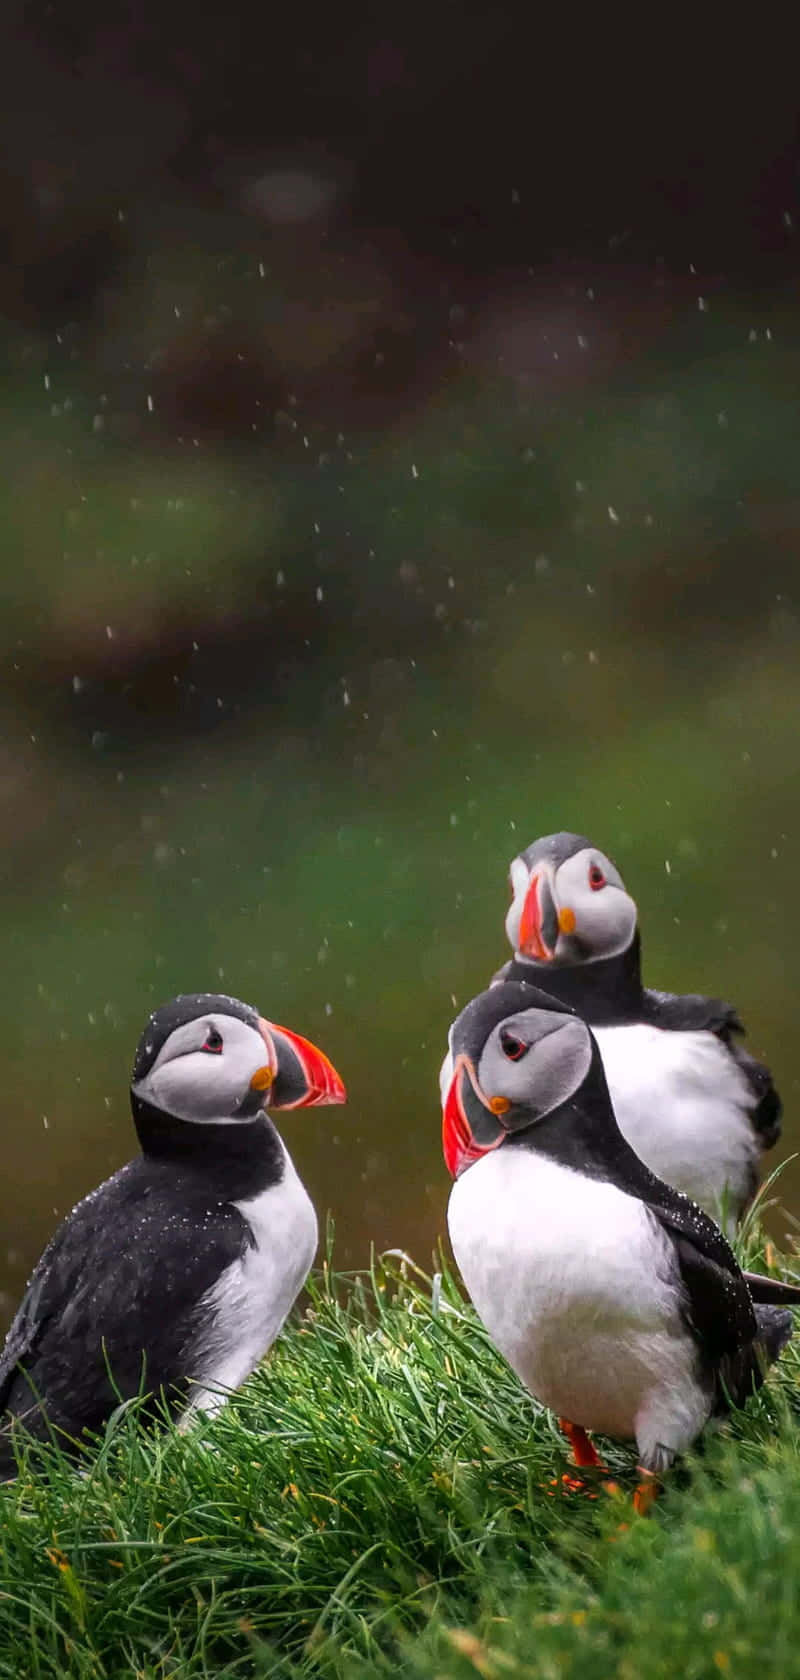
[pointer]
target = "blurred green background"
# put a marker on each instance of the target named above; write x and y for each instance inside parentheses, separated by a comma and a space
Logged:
(338, 566)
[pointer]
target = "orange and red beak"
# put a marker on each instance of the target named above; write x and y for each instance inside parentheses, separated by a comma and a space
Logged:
(302, 1075)
(470, 1126)
(539, 924)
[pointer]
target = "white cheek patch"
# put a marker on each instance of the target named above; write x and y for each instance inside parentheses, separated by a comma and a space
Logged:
(187, 1093)
(560, 1064)
(199, 1086)
(446, 1069)
(446, 1076)
(519, 876)
(605, 917)
(553, 1069)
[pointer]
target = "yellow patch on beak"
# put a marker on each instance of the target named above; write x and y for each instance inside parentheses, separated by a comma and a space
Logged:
(262, 1079)
(566, 921)
(499, 1105)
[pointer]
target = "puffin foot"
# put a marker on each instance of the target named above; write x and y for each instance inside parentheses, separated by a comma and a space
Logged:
(646, 1492)
(583, 1452)
(565, 1486)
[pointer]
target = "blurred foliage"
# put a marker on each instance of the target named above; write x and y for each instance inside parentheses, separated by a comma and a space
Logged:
(277, 717)
(339, 561)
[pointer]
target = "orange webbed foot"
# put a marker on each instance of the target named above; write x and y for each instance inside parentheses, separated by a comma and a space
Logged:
(646, 1492)
(583, 1451)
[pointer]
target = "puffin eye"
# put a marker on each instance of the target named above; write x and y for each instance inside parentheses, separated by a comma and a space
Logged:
(512, 1047)
(596, 877)
(213, 1043)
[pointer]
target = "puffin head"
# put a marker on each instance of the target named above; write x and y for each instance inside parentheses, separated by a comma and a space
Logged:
(518, 1054)
(569, 903)
(210, 1060)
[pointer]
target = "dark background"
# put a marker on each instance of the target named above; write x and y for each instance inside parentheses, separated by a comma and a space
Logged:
(400, 442)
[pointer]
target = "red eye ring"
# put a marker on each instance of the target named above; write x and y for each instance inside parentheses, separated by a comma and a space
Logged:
(213, 1044)
(512, 1047)
(596, 877)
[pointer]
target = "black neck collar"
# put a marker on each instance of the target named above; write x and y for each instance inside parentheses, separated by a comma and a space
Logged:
(607, 993)
(582, 1133)
(239, 1160)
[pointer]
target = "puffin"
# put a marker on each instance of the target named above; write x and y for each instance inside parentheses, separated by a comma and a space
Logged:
(174, 1277)
(614, 1297)
(694, 1104)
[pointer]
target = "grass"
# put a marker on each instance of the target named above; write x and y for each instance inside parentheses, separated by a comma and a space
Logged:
(382, 1498)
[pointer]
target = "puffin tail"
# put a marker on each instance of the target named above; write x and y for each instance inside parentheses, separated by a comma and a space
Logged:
(774, 1331)
(8, 1462)
(742, 1373)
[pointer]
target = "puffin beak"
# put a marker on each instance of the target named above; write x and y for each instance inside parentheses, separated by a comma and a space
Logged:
(540, 923)
(459, 1143)
(302, 1076)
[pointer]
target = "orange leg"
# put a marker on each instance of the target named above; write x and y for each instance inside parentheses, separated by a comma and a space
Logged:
(582, 1450)
(646, 1492)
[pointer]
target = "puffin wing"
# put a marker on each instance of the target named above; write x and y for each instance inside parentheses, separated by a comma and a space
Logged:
(736, 1339)
(766, 1113)
(693, 1013)
(97, 1304)
(21, 1339)
(718, 1304)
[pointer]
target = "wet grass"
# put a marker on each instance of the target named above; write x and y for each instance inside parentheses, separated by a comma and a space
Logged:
(382, 1498)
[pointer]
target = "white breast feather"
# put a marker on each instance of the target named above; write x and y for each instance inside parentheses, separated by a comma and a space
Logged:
(250, 1301)
(684, 1106)
(578, 1286)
